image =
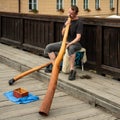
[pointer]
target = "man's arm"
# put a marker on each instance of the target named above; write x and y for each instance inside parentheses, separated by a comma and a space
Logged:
(78, 36)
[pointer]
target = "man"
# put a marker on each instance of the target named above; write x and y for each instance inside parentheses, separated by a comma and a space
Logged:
(73, 41)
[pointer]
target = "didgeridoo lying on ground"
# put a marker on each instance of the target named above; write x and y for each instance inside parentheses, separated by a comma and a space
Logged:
(17, 77)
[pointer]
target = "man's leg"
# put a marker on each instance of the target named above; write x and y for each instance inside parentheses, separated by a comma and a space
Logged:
(72, 53)
(52, 57)
(72, 73)
(50, 51)
(72, 61)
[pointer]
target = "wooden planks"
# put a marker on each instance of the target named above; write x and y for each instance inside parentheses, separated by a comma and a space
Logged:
(64, 106)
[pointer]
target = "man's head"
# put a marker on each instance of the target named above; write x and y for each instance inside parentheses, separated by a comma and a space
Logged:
(73, 11)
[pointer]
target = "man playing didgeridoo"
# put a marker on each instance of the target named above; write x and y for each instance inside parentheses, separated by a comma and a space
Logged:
(73, 42)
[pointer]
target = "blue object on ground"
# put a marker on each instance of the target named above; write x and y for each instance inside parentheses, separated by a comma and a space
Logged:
(22, 100)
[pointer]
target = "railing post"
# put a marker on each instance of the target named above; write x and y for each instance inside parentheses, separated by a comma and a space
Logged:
(21, 31)
(99, 48)
(0, 26)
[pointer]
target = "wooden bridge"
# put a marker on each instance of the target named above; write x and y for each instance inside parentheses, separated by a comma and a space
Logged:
(82, 99)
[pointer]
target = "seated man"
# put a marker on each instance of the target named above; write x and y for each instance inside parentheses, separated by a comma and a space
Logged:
(73, 41)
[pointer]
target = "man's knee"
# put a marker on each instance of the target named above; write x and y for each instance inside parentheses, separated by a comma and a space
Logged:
(71, 51)
(47, 49)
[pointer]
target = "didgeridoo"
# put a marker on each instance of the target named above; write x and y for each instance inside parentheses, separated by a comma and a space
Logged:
(47, 101)
(17, 77)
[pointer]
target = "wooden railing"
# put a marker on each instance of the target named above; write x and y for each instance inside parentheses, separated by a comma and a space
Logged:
(101, 37)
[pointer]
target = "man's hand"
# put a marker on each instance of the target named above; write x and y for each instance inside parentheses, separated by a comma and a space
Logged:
(67, 23)
(68, 44)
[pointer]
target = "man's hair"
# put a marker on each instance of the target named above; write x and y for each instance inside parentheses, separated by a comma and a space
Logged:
(75, 9)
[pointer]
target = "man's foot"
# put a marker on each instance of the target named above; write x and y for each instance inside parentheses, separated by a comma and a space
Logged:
(72, 75)
(49, 68)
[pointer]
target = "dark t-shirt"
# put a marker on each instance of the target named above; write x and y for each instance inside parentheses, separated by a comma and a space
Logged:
(76, 27)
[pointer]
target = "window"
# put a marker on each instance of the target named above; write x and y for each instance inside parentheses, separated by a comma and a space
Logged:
(59, 4)
(97, 4)
(73, 2)
(85, 5)
(111, 4)
(32, 4)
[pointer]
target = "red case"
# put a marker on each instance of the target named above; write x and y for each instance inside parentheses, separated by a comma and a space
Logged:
(20, 92)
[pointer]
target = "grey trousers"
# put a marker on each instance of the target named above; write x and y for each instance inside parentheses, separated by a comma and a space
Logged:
(55, 47)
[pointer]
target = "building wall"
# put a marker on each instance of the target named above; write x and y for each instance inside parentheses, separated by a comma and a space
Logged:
(9, 5)
(24, 6)
(49, 7)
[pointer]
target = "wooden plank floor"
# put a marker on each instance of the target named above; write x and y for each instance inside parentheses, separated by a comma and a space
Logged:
(64, 107)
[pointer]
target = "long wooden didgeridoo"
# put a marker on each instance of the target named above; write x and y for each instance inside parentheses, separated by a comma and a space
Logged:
(46, 104)
(27, 72)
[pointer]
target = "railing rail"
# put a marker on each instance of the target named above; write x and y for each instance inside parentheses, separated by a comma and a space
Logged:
(101, 37)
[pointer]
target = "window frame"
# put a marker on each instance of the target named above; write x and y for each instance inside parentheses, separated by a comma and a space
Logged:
(111, 4)
(86, 5)
(73, 2)
(33, 5)
(59, 5)
(97, 4)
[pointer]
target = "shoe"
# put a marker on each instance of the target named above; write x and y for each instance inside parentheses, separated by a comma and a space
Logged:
(49, 68)
(72, 75)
